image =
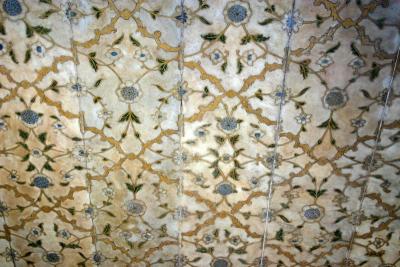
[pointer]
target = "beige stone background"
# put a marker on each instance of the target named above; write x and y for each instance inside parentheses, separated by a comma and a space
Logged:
(199, 133)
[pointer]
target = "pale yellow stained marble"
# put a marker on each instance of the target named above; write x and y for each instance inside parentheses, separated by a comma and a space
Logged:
(108, 107)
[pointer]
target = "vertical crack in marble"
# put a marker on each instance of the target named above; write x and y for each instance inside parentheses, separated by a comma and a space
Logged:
(93, 231)
(171, 134)
(364, 188)
(276, 136)
(180, 123)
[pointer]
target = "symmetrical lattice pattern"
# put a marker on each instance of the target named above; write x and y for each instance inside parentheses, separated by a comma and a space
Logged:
(147, 132)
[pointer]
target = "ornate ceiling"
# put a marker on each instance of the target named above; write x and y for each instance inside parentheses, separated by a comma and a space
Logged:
(199, 133)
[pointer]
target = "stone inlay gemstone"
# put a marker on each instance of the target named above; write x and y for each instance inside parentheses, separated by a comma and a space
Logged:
(89, 211)
(135, 207)
(41, 182)
(53, 257)
(77, 87)
(229, 123)
(312, 213)
(225, 189)
(335, 98)
(12, 7)
(183, 17)
(219, 262)
(290, 22)
(181, 91)
(237, 13)
(97, 258)
(70, 13)
(129, 93)
(29, 116)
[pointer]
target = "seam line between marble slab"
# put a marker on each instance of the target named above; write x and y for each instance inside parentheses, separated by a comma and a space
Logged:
(374, 149)
(180, 128)
(276, 139)
(82, 130)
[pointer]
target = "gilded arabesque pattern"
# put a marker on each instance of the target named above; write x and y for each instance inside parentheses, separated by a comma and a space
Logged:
(146, 133)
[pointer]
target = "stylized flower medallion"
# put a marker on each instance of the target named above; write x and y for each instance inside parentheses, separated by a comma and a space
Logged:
(208, 238)
(11, 255)
(249, 57)
(291, 22)
(272, 160)
(64, 233)
(104, 114)
(14, 9)
(266, 215)
(229, 124)
(34, 233)
(82, 153)
(129, 92)
(325, 61)
(312, 213)
(181, 91)
(281, 96)
(383, 98)
(201, 133)
(217, 56)
(181, 212)
(180, 260)
(237, 12)
(257, 135)
(90, 211)
(235, 240)
(98, 258)
(36, 153)
(183, 16)
(30, 118)
(143, 54)
(358, 122)
(357, 63)
(180, 156)
(13, 175)
(221, 262)
(52, 257)
(135, 207)
(373, 162)
(39, 49)
(225, 188)
(58, 126)
(108, 192)
(41, 181)
(71, 12)
(303, 118)
(335, 98)
(254, 182)
(78, 88)
(114, 54)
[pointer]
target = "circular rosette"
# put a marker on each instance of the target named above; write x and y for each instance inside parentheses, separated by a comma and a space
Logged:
(237, 12)
(312, 213)
(129, 92)
(41, 181)
(14, 9)
(30, 118)
(135, 207)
